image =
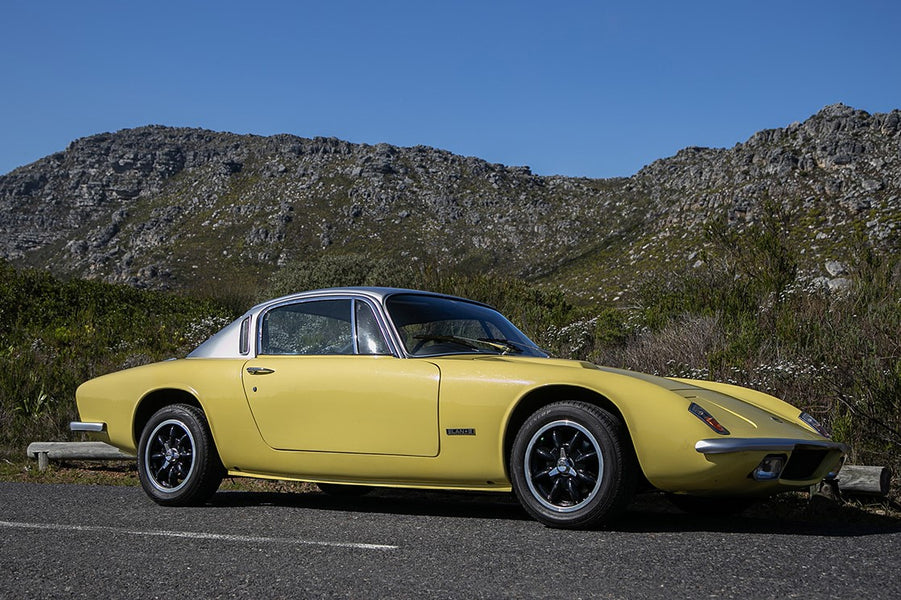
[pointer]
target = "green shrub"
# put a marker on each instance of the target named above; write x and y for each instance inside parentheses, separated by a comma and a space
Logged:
(334, 271)
(752, 322)
(57, 334)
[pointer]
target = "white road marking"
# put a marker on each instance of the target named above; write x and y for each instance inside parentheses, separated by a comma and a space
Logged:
(194, 535)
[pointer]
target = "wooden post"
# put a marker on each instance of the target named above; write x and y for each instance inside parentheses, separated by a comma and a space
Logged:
(859, 479)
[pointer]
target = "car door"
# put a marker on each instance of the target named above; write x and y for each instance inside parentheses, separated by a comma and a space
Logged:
(325, 381)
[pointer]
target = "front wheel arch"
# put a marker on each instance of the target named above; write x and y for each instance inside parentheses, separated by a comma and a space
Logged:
(541, 397)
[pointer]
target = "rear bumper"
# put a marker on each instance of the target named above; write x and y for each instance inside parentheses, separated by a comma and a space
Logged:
(89, 427)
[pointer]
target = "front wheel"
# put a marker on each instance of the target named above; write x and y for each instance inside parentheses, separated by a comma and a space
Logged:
(572, 465)
(177, 460)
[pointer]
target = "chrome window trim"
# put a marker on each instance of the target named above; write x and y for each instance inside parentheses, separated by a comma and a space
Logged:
(381, 319)
(244, 337)
(729, 445)
(353, 327)
(380, 322)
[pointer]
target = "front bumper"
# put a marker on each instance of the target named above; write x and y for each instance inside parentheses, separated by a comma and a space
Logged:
(728, 445)
(800, 461)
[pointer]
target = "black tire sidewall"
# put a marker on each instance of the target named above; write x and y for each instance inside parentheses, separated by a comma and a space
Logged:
(616, 483)
(207, 471)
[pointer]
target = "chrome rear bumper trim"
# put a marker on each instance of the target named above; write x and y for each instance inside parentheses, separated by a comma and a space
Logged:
(92, 427)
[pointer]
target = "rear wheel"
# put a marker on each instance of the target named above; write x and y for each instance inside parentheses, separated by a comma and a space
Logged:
(177, 460)
(572, 465)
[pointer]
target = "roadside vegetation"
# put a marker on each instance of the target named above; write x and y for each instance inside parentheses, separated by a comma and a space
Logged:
(56, 334)
(744, 317)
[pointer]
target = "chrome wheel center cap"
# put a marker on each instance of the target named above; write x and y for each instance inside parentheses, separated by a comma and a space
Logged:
(564, 465)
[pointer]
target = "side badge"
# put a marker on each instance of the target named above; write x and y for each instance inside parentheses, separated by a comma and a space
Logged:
(461, 431)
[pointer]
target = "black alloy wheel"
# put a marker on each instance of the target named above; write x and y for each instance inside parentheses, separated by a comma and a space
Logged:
(177, 460)
(572, 465)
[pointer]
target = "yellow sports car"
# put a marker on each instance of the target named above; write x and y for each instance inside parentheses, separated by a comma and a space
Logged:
(359, 387)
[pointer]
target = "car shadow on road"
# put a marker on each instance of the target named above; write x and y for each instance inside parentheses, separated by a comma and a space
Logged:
(472, 505)
(649, 513)
(792, 514)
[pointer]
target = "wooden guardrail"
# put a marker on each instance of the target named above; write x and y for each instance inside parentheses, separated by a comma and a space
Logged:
(45, 451)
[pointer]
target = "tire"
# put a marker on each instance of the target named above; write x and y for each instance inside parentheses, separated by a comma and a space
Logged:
(343, 490)
(711, 506)
(572, 465)
(177, 460)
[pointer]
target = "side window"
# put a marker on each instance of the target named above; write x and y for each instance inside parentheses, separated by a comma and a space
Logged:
(317, 327)
(369, 337)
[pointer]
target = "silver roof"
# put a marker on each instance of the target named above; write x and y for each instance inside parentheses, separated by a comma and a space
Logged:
(378, 294)
(224, 344)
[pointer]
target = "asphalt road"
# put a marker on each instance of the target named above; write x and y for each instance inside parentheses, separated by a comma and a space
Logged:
(62, 541)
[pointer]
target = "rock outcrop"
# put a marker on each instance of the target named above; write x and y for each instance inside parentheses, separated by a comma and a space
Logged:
(165, 207)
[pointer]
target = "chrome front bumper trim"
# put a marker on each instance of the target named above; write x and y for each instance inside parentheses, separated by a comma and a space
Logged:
(729, 445)
(92, 427)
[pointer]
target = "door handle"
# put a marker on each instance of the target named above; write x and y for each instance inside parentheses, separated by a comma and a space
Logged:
(259, 370)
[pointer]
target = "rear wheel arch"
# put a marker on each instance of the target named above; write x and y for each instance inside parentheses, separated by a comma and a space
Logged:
(154, 401)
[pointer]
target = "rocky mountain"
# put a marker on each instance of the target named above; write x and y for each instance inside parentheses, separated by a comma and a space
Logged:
(180, 208)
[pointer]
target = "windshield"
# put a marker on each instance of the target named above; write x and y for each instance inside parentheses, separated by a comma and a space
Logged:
(431, 325)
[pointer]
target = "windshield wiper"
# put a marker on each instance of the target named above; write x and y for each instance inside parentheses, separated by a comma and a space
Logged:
(499, 345)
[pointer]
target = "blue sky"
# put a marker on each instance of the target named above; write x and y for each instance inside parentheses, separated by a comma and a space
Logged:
(572, 87)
